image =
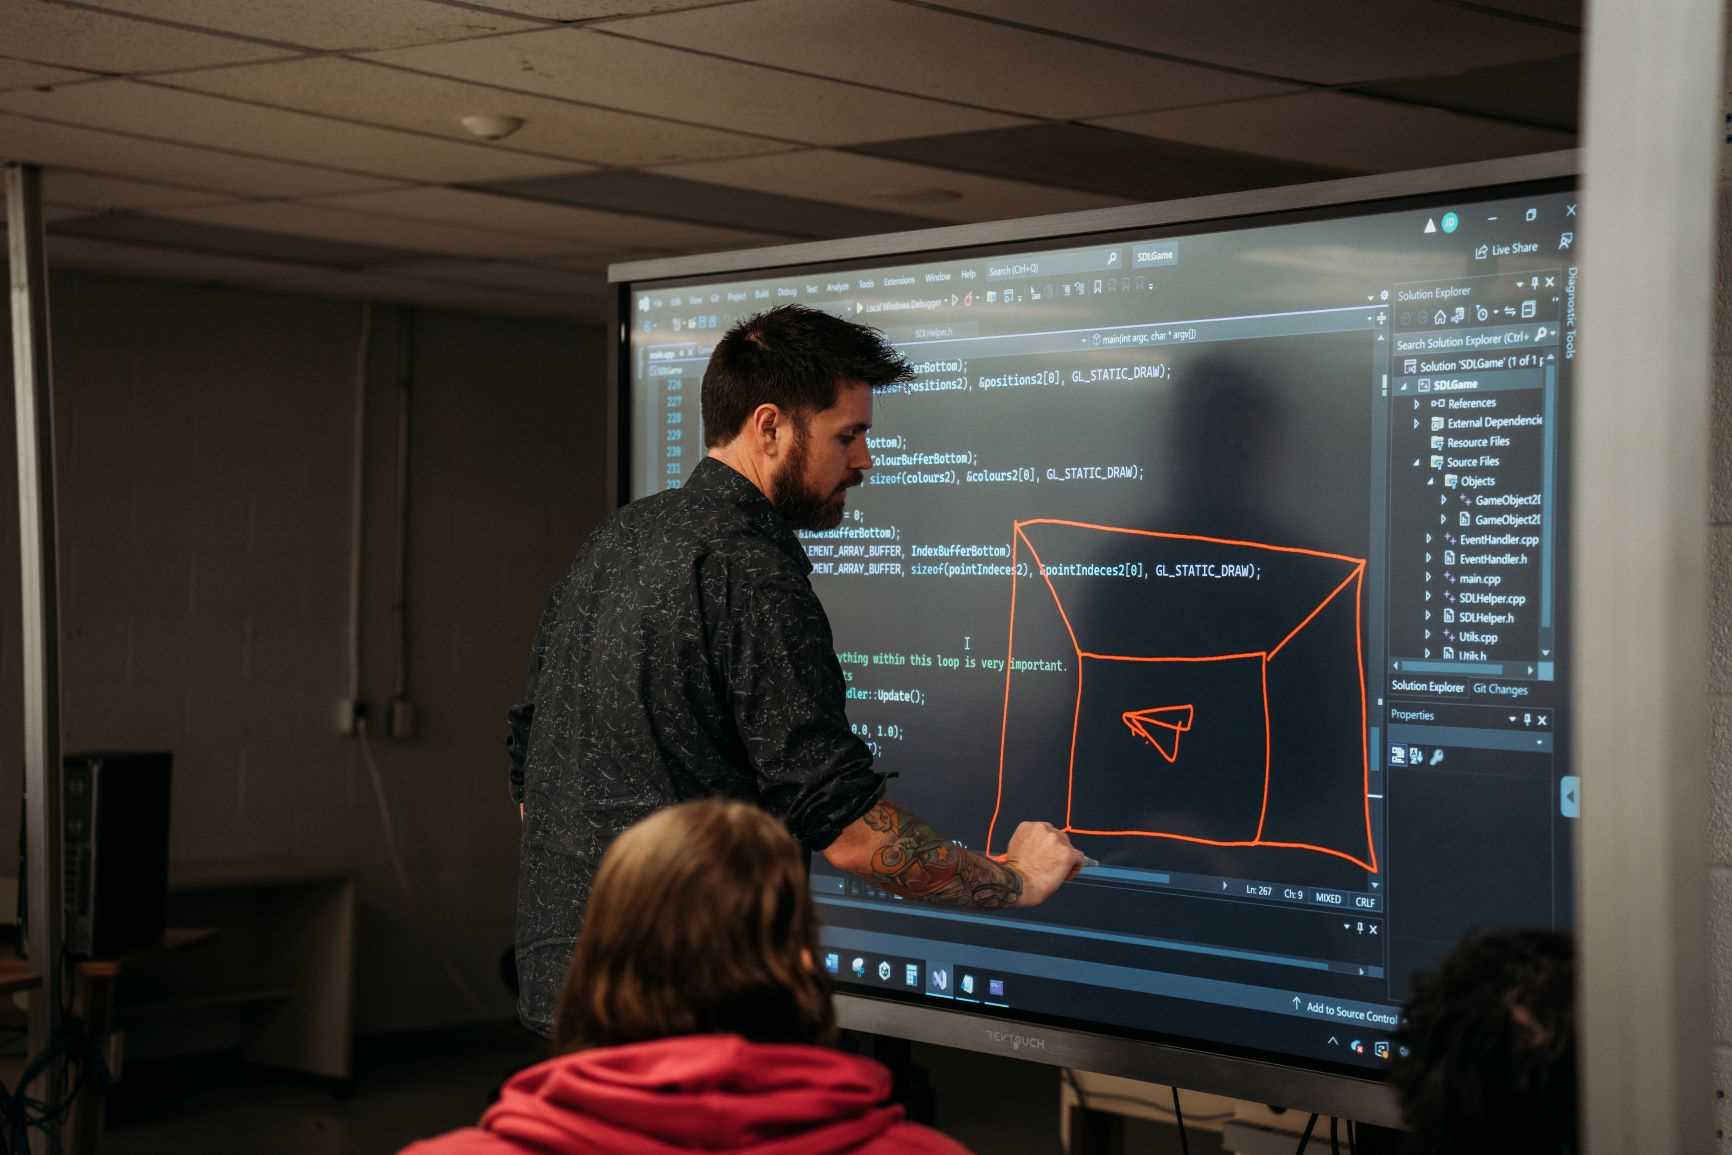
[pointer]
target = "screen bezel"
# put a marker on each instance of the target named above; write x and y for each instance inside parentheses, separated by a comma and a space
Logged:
(1288, 1083)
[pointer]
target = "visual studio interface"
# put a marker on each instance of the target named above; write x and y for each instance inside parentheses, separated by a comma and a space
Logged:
(1236, 554)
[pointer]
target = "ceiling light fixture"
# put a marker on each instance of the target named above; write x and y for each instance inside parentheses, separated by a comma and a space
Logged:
(491, 127)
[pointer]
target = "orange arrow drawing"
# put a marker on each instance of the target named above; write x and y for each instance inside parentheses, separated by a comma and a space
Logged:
(1160, 727)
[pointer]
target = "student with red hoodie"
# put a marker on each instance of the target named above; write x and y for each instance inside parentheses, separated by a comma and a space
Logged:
(693, 1017)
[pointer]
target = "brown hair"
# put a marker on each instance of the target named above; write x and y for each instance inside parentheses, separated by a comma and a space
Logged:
(700, 922)
(794, 358)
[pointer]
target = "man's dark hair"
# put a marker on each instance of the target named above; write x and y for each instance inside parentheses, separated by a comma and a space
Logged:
(795, 358)
(1491, 1040)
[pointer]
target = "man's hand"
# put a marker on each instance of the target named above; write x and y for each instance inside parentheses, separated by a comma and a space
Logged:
(1044, 857)
(520, 811)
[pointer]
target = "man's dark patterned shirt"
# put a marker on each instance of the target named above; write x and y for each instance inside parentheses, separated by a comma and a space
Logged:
(684, 655)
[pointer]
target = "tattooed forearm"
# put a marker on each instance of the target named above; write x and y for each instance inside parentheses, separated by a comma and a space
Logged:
(914, 861)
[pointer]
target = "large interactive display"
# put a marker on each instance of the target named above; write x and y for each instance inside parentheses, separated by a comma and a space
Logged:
(1236, 549)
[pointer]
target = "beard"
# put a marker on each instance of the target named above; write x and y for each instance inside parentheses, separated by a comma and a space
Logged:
(798, 504)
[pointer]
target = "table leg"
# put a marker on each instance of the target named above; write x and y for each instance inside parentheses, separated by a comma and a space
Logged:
(93, 1001)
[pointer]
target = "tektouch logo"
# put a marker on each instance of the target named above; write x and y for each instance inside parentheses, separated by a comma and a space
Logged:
(1015, 1041)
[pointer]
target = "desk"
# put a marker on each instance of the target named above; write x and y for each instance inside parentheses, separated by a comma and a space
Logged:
(270, 977)
(279, 985)
(93, 984)
(16, 975)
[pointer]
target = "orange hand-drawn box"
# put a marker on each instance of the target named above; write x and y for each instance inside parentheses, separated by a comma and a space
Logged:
(1183, 687)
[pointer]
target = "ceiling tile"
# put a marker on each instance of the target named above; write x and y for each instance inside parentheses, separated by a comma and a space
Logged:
(557, 227)
(580, 286)
(54, 214)
(569, 10)
(597, 263)
(336, 224)
(451, 294)
(88, 190)
(194, 118)
(328, 25)
(71, 251)
(104, 42)
(873, 182)
(363, 91)
(1557, 11)
(107, 152)
(194, 236)
(1323, 41)
(1350, 132)
(576, 64)
(745, 209)
(944, 56)
(157, 262)
(1117, 164)
(1541, 93)
(23, 74)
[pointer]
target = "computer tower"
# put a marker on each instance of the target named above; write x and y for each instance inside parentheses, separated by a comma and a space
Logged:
(114, 821)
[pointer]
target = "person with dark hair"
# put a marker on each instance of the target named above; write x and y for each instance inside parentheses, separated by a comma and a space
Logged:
(1486, 1061)
(693, 1016)
(685, 654)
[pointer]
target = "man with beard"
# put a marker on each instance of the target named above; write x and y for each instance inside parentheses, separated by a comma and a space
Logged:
(685, 654)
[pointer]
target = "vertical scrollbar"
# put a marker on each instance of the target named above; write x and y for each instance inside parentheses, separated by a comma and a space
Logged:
(1373, 593)
(1376, 641)
(1548, 521)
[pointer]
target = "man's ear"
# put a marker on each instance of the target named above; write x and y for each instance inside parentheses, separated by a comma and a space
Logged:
(768, 429)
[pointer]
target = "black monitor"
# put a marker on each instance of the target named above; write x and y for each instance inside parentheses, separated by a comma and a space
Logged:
(1227, 535)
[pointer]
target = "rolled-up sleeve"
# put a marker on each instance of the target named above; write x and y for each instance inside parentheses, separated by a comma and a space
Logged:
(790, 708)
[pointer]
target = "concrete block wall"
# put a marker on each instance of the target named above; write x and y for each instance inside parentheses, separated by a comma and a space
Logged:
(206, 474)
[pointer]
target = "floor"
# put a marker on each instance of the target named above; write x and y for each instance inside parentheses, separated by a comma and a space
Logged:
(406, 1087)
(413, 1086)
